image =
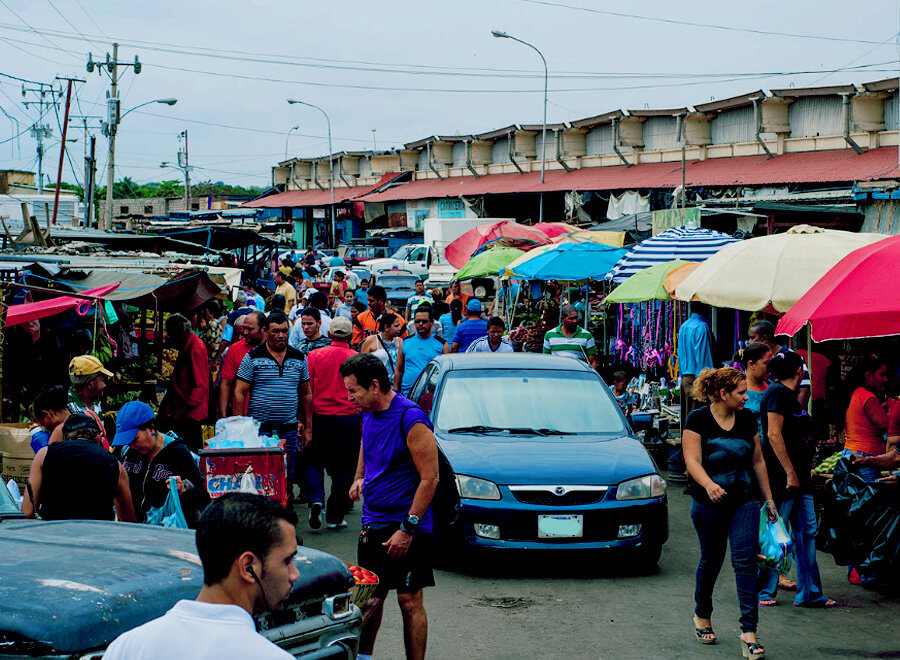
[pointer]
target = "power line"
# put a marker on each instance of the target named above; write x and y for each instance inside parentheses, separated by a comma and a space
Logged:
(709, 26)
(91, 18)
(857, 59)
(31, 28)
(70, 23)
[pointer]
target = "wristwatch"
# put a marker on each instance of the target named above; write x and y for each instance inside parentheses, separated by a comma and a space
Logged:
(410, 525)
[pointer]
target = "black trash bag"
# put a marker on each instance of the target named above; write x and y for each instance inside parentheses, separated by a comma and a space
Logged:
(882, 526)
(842, 531)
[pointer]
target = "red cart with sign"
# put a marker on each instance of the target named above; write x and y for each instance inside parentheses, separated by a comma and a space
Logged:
(224, 469)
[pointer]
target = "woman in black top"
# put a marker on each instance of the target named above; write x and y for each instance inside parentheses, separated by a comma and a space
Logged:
(789, 448)
(76, 478)
(723, 457)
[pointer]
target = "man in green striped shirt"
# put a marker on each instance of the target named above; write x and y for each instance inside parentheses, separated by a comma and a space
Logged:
(568, 340)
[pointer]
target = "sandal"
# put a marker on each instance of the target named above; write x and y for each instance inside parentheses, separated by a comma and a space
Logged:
(771, 602)
(752, 650)
(787, 584)
(700, 632)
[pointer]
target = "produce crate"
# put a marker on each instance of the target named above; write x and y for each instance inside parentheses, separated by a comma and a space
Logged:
(223, 470)
(362, 592)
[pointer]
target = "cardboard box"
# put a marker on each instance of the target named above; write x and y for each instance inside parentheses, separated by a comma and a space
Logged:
(15, 439)
(15, 467)
(15, 453)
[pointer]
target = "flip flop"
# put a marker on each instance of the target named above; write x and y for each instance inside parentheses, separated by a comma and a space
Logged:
(786, 584)
(768, 603)
(828, 604)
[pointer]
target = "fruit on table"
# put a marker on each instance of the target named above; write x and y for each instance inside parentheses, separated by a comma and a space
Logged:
(362, 575)
(827, 466)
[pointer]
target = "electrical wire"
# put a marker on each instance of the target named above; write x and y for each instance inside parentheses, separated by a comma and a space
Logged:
(91, 18)
(857, 59)
(31, 28)
(708, 26)
(70, 23)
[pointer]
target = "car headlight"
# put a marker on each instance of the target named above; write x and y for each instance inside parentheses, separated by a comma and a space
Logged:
(474, 488)
(642, 488)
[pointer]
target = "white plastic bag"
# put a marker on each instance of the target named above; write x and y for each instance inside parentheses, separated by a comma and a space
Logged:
(248, 483)
(13, 489)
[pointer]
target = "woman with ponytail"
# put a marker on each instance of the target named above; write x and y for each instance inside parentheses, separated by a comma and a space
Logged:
(724, 459)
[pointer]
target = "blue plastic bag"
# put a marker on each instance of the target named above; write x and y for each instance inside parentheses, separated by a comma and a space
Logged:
(170, 513)
(775, 544)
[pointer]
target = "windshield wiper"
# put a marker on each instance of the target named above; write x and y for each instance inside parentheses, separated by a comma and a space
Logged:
(556, 432)
(478, 428)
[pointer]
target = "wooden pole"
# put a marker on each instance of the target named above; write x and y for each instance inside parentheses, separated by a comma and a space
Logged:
(62, 149)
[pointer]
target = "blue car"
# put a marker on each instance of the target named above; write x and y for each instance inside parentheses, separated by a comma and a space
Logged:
(541, 456)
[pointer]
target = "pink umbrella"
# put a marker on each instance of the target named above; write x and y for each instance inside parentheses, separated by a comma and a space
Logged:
(460, 251)
(857, 298)
(16, 314)
(554, 229)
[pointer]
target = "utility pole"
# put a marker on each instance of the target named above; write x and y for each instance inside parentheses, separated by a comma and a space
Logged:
(40, 131)
(62, 146)
(183, 164)
(90, 166)
(113, 108)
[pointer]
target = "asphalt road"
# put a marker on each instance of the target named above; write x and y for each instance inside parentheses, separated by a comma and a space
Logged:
(560, 606)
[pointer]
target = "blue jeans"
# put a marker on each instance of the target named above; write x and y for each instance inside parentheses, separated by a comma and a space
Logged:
(335, 448)
(868, 474)
(716, 526)
(799, 512)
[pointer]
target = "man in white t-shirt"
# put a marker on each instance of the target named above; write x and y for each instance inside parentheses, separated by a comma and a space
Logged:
(237, 583)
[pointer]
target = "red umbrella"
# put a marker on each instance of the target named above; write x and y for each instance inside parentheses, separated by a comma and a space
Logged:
(460, 251)
(857, 298)
(554, 229)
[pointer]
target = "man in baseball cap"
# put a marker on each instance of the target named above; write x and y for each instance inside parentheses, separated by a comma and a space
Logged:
(87, 376)
(335, 444)
(470, 328)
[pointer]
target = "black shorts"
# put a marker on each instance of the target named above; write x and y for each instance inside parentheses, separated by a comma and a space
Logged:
(406, 574)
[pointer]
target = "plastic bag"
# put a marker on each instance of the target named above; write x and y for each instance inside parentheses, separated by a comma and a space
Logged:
(13, 489)
(775, 544)
(170, 513)
(846, 506)
(248, 482)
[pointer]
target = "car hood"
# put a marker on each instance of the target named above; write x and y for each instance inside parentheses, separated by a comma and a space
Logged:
(518, 460)
(383, 263)
(77, 585)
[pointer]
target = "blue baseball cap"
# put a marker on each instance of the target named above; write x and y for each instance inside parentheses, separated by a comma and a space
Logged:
(474, 305)
(129, 419)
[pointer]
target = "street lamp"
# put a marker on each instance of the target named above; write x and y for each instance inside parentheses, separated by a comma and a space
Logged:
(286, 137)
(110, 129)
(503, 35)
(330, 163)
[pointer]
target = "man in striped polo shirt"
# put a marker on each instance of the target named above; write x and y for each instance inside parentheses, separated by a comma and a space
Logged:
(568, 340)
(274, 380)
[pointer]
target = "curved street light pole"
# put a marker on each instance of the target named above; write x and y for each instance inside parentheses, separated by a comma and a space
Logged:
(111, 129)
(503, 35)
(330, 164)
(286, 138)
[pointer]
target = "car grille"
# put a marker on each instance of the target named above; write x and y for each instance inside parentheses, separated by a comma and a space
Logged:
(547, 498)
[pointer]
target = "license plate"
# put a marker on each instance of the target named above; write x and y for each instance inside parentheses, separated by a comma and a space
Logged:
(560, 527)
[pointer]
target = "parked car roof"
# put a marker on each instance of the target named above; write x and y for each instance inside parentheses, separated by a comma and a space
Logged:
(458, 361)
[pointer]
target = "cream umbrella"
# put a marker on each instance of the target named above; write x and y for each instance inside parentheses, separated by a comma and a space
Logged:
(770, 272)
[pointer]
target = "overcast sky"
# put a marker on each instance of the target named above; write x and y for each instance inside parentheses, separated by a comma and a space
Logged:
(346, 56)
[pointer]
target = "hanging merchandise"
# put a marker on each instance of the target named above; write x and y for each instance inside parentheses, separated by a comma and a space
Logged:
(628, 203)
(645, 334)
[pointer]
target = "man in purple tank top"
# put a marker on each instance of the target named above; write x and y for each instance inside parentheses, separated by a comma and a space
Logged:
(397, 474)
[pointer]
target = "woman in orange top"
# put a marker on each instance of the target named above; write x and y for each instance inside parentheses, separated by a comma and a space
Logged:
(866, 420)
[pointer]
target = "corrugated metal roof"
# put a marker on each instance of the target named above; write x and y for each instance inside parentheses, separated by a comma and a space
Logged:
(807, 167)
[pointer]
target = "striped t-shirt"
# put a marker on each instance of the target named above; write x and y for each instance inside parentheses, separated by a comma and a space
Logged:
(579, 346)
(274, 389)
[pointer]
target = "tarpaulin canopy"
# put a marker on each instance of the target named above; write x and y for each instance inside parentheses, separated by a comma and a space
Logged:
(16, 314)
(774, 270)
(185, 291)
(566, 261)
(489, 263)
(686, 243)
(646, 284)
(857, 298)
(461, 250)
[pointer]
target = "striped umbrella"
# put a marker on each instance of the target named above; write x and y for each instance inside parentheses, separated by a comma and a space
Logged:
(685, 243)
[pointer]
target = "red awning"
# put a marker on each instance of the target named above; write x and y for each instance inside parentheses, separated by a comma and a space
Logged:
(25, 312)
(806, 167)
(294, 198)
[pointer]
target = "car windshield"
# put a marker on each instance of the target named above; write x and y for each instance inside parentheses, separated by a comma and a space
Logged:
(401, 253)
(538, 402)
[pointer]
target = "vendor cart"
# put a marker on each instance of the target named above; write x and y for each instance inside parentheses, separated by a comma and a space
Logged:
(224, 469)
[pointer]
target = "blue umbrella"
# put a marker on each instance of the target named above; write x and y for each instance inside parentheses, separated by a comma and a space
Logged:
(569, 262)
(685, 243)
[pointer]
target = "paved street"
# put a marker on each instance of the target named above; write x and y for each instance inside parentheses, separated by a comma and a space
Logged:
(560, 607)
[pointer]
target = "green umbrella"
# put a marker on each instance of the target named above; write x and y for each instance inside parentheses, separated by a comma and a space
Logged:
(488, 263)
(645, 284)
